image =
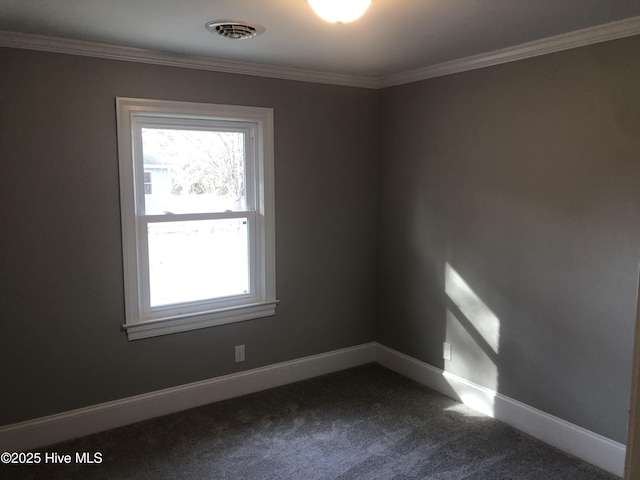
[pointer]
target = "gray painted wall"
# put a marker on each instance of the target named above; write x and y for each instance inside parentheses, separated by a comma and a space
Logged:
(524, 179)
(62, 290)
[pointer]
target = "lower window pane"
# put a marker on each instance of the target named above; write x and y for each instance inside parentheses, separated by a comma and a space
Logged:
(197, 260)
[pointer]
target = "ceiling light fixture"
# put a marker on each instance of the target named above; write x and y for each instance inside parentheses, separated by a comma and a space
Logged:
(339, 11)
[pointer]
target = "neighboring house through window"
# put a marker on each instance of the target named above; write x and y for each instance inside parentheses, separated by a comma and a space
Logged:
(197, 202)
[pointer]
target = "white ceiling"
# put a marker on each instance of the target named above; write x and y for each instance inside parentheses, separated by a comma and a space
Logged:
(394, 36)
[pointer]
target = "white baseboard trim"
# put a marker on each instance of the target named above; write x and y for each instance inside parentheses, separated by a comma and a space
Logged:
(575, 440)
(85, 421)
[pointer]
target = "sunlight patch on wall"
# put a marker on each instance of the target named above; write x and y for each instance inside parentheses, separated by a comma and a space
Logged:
(473, 308)
(476, 397)
(473, 330)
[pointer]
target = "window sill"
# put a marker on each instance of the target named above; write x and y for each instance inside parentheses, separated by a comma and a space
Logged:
(165, 326)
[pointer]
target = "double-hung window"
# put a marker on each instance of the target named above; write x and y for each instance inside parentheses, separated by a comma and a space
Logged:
(197, 208)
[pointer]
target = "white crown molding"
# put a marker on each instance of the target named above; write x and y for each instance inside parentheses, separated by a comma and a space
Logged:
(141, 55)
(573, 439)
(578, 38)
(566, 41)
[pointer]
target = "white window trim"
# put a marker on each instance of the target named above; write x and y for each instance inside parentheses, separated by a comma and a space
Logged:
(263, 302)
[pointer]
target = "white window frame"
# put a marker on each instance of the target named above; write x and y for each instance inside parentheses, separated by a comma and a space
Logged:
(141, 320)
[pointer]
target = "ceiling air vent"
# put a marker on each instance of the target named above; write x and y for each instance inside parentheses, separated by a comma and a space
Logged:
(234, 30)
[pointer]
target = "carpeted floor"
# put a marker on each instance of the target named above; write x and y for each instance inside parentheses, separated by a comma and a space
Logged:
(363, 423)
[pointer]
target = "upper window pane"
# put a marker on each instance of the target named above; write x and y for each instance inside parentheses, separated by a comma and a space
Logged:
(193, 171)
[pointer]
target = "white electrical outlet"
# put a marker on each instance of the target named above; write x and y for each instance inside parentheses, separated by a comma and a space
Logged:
(446, 351)
(239, 353)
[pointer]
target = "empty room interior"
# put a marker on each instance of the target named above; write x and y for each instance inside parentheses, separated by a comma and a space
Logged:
(448, 191)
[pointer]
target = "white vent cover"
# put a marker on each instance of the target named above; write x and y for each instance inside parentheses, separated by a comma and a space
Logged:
(234, 29)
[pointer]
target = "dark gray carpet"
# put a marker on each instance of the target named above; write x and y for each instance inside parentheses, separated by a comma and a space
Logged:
(362, 423)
